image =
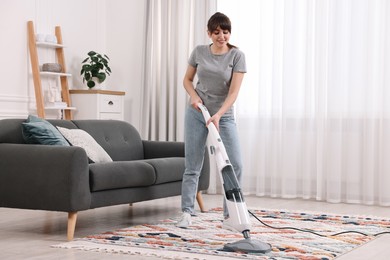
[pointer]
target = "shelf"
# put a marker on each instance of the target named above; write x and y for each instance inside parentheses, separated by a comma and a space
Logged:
(37, 74)
(60, 108)
(96, 91)
(48, 73)
(49, 44)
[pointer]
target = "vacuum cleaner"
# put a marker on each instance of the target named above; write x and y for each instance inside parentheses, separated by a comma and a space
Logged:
(238, 213)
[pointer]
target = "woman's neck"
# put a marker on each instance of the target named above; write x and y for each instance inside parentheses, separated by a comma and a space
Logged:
(219, 50)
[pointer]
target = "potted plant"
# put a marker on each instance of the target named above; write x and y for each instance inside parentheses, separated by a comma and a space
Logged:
(95, 68)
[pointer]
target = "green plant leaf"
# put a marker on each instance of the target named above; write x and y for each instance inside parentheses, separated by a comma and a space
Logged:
(90, 84)
(86, 67)
(101, 76)
(94, 71)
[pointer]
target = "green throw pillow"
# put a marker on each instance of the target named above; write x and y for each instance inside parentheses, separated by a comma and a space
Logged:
(39, 131)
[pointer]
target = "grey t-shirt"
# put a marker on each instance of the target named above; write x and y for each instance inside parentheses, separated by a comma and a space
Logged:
(215, 73)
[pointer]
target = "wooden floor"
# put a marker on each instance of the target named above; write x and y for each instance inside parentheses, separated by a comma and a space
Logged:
(28, 234)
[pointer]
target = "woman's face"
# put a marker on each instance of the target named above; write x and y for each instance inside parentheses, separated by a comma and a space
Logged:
(219, 37)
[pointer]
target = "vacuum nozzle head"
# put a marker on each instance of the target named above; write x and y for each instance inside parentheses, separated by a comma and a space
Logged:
(248, 246)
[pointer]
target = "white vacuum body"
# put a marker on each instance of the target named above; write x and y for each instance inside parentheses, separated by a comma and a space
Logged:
(238, 212)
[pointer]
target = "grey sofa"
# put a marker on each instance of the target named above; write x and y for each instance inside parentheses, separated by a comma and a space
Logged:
(61, 178)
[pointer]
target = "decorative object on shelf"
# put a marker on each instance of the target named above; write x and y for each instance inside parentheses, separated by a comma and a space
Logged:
(95, 69)
(52, 67)
(50, 38)
(40, 37)
(53, 97)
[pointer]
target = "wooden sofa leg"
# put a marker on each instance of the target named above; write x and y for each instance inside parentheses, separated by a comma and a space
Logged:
(72, 217)
(199, 199)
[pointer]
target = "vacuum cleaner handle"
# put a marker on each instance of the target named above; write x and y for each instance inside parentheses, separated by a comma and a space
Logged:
(204, 110)
(222, 158)
(212, 128)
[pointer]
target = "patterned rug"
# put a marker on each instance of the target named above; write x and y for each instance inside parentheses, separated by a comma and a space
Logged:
(205, 238)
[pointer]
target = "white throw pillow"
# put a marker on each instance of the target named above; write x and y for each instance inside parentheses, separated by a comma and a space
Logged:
(80, 138)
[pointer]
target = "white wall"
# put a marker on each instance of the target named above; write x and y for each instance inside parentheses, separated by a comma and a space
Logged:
(125, 41)
(114, 27)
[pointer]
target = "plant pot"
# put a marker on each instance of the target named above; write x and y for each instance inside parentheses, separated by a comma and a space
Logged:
(98, 85)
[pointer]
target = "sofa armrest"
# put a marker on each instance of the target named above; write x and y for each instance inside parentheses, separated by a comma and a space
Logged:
(161, 149)
(44, 177)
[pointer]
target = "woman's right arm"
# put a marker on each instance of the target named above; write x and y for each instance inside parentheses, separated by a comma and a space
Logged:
(189, 87)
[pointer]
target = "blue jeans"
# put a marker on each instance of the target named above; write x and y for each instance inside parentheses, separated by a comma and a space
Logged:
(195, 141)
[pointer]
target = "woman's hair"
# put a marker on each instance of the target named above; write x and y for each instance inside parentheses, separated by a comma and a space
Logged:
(221, 20)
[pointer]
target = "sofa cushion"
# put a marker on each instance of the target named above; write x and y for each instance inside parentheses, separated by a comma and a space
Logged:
(39, 131)
(167, 169)
(121, 174)
(80, 138)
(118, 138)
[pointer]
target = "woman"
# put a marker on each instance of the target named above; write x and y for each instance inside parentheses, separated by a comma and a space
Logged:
(220, 67)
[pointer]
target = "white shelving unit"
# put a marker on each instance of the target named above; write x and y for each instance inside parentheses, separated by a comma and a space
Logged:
(37, 74)
(55, 74)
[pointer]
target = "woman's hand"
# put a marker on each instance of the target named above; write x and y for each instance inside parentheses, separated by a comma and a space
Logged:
(195, 100)
(215, 120)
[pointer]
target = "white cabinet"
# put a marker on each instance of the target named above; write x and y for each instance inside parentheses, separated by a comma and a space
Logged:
(97, 104)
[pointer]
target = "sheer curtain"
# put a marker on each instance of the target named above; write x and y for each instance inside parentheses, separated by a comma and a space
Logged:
(173, 28)
(313, 112)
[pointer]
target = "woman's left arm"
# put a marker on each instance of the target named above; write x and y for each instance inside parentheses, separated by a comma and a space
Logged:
(234, 89)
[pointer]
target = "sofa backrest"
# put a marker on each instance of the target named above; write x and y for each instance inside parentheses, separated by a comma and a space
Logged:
(120, 139)
(11, 131)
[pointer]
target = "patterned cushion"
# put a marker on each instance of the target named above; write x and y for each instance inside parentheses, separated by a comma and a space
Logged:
(80, 138)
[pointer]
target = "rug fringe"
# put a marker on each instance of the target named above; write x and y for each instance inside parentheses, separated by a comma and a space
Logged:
(319, 213)
(114, 249)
